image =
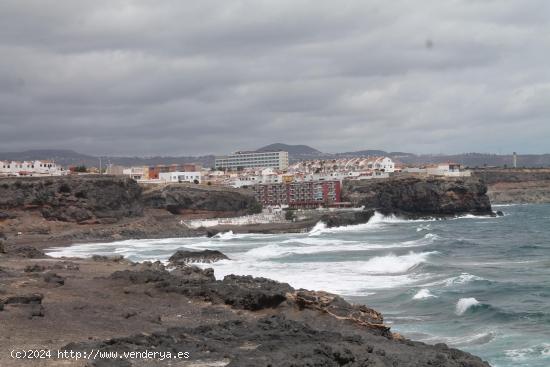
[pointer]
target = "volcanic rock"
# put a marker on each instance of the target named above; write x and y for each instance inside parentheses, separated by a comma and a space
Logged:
(339, 219)
(420, 196)
(194, 199)
(277, 341)
(74, 198)
(206, 256)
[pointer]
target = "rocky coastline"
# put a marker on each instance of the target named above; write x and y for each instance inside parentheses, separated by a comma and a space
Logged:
(111, 304)
(65, 210)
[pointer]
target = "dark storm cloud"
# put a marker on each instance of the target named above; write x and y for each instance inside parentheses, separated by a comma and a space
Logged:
(174, 77)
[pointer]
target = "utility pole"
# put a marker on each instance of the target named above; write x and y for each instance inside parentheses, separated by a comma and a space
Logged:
(100, 165)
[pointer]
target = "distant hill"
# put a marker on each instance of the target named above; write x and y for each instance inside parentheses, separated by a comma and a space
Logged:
(72, 158)
(296, 153)
(291, 149)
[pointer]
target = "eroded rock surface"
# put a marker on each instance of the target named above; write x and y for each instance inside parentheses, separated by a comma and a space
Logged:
(420, 196)
(182, 257)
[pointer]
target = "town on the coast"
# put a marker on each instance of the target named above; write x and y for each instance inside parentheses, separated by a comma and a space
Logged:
(275, 181)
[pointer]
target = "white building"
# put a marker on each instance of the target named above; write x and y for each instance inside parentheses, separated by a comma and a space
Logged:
(31, 168)
(191, 177)
(447, 169)
(241, 160)
(137, 173)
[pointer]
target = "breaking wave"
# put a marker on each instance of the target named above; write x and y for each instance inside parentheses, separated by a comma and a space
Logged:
(392, 264)
(423, 294)
(464, 304)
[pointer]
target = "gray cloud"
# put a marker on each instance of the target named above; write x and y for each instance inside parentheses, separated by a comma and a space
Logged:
(138, 77)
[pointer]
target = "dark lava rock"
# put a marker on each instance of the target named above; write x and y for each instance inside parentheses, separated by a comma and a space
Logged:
(187, 199)
(2, 247)
(27, 252)
(241, 292)
(277, 341)
(34, 268)
(249, 293)
(207, 256)
(421, 196)
(194, 273)
(141, 277)
(499, 213)
(338, 219)
(74, 198)
(54, 279)
(340, 309)
(114, 258)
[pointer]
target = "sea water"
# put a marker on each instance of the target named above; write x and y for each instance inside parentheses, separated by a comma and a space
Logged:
(480, 284)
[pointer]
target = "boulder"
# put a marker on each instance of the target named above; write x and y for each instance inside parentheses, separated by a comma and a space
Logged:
(340, 309)
(338, 219)
(182, 257)
(249, 293)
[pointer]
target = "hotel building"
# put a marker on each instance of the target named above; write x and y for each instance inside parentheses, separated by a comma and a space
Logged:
(241, 160)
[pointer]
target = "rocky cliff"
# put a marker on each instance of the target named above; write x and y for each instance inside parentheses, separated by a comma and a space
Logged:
(520, 185)
(420, 196)
(73, 198)
(193, 200)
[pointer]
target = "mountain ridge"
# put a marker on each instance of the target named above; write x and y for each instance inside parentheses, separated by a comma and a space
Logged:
(298, 152)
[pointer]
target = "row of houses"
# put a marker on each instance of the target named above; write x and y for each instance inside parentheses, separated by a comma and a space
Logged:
(31, 168)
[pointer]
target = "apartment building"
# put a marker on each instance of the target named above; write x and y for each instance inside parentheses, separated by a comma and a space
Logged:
(241, 160)
(299, 194)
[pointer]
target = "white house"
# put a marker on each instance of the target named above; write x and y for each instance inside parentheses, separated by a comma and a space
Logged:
(192, 177)
(447, 169)
(31, 168)
(137, 173)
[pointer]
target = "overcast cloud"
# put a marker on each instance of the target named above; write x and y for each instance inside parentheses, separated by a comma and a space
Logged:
(194, 77)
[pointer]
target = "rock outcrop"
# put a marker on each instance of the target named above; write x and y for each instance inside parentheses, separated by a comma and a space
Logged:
(420, 196)
(294, 328)
(201, 201)
(339, 219)
(73, 198)
(182, 257)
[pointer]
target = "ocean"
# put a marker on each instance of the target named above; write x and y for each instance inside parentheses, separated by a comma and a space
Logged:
(476, 283)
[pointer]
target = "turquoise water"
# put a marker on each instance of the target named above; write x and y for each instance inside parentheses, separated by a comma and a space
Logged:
(479, 284)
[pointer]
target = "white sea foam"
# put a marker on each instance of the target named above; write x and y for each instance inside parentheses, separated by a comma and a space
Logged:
(482, 337)
(321, 228)
(536, 351)
(423, 294)
(457, 280)
(464, 304)
(225, 235)
(345, 278)
(392, 264)
(376, 221)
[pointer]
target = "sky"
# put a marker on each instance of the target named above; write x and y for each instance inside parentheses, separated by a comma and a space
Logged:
(173, 77)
